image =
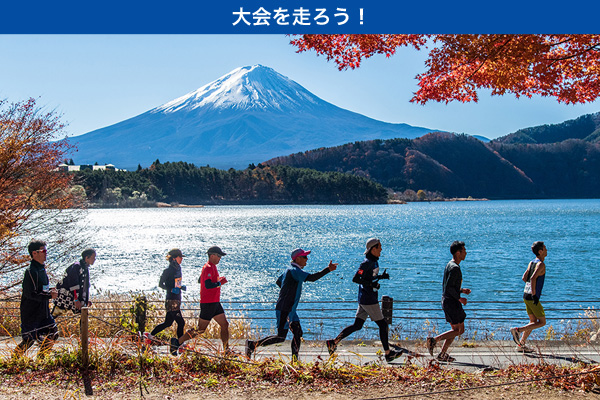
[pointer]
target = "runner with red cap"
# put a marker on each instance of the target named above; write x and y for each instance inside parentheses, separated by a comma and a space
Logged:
(290, 283)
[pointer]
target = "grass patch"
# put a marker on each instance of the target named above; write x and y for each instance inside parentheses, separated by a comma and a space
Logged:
(114, 315)
(123, 365)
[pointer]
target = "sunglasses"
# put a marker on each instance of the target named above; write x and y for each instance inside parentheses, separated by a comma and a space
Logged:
(42, 251)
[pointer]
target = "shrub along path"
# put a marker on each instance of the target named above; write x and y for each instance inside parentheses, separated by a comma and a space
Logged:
(483, 370)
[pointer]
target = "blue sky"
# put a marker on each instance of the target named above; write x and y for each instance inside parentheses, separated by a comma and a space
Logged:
(98, 80)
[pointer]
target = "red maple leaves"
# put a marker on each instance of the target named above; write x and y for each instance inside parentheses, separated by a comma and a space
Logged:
(566, 67)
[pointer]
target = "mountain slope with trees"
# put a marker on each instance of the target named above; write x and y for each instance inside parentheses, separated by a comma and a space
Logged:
(462, 166)
(586, 127)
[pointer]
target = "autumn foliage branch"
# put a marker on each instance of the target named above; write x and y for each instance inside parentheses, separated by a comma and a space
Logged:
(32, 191)
(566, 67)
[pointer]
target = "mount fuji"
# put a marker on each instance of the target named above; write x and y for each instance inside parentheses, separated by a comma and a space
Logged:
(250, 115)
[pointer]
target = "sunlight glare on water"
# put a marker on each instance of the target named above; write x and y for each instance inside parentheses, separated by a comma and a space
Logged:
(132, 244)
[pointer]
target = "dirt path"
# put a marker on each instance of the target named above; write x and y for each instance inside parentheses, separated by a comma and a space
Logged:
(51, 392)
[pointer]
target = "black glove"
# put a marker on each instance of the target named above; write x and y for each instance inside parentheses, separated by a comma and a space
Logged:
(385, 275)
(536, 300)
(375, 285)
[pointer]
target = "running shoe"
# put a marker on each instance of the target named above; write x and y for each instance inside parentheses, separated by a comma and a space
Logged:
(445, 357)
(331, 346)
(174, 346)
(250, 346)
(515, 335)
(148, 338)
(431, 345)
(183, 348)
(392, 355)
(524, 349)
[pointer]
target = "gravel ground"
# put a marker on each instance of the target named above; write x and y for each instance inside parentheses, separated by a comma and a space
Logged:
(49, 392)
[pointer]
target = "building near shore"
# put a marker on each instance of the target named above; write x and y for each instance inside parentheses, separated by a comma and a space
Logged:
(83, 167)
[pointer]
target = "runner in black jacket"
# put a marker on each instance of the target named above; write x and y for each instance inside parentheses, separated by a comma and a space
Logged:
(170, 280)
(36, 321)
(74, 288)
(368, 278)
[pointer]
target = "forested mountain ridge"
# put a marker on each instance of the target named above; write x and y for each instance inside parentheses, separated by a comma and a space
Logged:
(461, 166)
(586, 127)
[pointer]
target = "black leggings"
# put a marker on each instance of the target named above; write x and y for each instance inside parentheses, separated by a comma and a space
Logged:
(358, 324)
(282, 333)
(172, 316)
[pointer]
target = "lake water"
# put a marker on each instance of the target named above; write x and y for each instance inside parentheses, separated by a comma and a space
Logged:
(132, 244)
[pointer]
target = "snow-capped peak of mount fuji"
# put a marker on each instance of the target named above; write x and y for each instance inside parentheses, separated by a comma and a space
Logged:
(253, 87)
(249, 115)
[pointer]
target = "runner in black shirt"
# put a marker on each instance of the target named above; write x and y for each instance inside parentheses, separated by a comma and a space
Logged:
(368, 278)
(452, 302)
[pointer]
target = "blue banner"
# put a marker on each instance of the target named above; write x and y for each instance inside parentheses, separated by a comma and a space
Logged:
(296, 16)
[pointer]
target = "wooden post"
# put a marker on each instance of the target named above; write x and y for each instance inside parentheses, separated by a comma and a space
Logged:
(141, 307)
(85, 358)
(85, 355)
(387, 308)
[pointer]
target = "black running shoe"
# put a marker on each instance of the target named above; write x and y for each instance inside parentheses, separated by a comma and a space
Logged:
(174, 346)
(331, 346)
(392, 355)
(250, 346)
(445, 357)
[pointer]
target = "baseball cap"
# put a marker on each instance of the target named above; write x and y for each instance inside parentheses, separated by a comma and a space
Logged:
(216, 250)
(175, 253)
(371, 243)
(299, 253)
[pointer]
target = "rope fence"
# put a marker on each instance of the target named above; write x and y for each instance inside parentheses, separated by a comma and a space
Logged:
(403, 312)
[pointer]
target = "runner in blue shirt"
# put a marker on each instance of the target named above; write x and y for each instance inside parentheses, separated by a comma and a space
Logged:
(289, 296)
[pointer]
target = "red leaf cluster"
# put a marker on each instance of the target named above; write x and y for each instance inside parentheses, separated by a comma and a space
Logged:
(566, 67)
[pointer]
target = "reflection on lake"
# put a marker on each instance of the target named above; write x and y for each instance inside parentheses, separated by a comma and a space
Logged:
(132, 244)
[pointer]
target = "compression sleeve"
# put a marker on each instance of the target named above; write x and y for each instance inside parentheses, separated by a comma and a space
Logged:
(210, 284)
(317, 275)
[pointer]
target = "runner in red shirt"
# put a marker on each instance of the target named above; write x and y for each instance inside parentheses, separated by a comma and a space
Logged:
(210, 302)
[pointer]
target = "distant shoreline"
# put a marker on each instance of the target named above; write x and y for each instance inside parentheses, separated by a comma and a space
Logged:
(178, 205)
(395, 201)
(160, 204)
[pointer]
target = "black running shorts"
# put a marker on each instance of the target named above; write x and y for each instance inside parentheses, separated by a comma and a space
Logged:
(210, 310)
(453, 310)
